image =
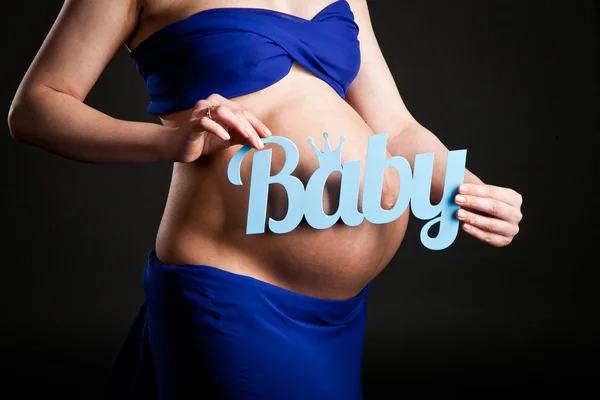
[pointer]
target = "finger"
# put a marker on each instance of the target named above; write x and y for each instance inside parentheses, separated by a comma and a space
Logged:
(254, 123)
(253, 134)
(506, 195)
(239, 124)
(488, 224)
(217, 98)
(489, 206)
(261, 128)
(201, 108)
(208, 125)
(487, 237)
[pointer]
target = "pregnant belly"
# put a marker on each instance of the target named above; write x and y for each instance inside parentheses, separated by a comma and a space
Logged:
(205, 218)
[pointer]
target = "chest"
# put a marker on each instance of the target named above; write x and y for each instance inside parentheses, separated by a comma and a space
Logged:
(235, 51)
(157, 14)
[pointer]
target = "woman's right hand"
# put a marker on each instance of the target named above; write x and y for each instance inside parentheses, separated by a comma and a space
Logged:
(215, 124)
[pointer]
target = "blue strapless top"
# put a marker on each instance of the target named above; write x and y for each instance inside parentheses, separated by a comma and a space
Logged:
(237, 51)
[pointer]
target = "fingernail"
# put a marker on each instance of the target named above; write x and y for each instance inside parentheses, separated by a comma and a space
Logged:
(261, 144)
(267, 131)
(466, 227)
(464, 189)
(227, 136)
(460, 199)
(462, 214)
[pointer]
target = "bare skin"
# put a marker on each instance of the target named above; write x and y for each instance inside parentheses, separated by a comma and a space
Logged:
(204, 218)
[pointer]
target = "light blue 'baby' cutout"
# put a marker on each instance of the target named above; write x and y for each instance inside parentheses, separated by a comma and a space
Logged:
(308, 202)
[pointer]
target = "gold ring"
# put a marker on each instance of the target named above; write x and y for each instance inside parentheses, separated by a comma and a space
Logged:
(208, 112)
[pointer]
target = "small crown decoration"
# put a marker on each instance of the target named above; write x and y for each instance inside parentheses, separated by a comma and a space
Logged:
(328, 158)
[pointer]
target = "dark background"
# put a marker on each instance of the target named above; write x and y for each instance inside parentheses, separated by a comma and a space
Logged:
(514, 82)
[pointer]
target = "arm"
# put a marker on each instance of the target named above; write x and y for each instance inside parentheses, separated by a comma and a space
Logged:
(374, 95)
(48, 110)
(415, 139)
(490, 213)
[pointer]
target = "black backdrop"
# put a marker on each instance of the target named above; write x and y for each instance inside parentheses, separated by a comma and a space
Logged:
(514, 82)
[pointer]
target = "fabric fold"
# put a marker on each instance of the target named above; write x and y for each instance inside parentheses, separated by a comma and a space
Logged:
(207, 333)
(237, 51)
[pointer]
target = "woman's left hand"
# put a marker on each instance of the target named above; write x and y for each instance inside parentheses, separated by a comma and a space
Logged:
(489, 213)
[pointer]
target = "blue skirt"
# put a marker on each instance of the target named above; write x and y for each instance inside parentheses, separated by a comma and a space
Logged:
(211, 334)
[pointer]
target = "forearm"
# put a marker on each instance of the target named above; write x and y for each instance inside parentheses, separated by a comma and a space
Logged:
(416, 139)
(64, 125)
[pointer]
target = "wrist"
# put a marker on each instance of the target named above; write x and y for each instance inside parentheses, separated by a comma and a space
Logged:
(161, 143)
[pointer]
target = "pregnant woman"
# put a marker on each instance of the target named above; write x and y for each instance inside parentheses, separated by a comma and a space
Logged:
(231, 315)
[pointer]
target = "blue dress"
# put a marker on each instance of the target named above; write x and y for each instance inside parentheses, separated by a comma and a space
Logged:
(205, 333)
